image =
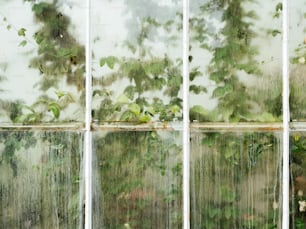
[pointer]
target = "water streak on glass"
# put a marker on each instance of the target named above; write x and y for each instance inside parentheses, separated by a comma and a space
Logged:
(235, 180)
(297, 180)
(137, 180)
(41, 180)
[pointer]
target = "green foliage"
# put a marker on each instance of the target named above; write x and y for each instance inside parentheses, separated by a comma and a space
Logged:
(298, 174)
(14, 141)
(110, 61)
(59, 58)
(236, 54)
(59, 54)
(226, 162)
(233, 57)
(146, 76)
(127, 161)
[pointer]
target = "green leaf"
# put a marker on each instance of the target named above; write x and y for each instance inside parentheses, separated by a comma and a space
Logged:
(209, 141)
(122, 99)
(130, 91)
(126, 116)
(222, 91)
(197, 89)
(21, 32)
(31, 118)
(228, 213)
(60, 94)
(175, 108)
(266, 117)
(151, 110)
(275, 32)
(229, 153)
(144, 118)
(55, 109)
(194, 73)
(279, 7)
(250, 68)
(134, 108)
(198, 113)
(109, 61)
(212, 212)
(23, 43)
(218, 76)
(8, 27)
(38, 8)
(65, 52)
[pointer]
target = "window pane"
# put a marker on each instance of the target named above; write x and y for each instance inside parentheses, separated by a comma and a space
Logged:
(297, 48)
(235, 180)
(137, 60)
(137, 180)
(42, 61)
(298, 179)
(235, 61)
(40, 179)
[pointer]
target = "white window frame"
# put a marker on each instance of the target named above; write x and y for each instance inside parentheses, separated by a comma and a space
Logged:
(285, 127)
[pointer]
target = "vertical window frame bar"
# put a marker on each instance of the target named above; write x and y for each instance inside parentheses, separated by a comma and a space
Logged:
(88, 119)
(286, 117)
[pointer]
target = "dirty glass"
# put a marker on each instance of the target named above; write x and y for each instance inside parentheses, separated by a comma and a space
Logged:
(235, 180)
(42, 61)
(298, 179)
(232, 76)
(137, 60)
(40, 179)
(137, 179)
(297, 54)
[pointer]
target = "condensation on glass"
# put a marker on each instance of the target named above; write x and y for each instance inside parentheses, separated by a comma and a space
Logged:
(235, 180)
(297, 55)
(232, 76)
(297, 179)
(136, 69)
(137, 179)
(137, 60)
(41, 179)
(42, 61)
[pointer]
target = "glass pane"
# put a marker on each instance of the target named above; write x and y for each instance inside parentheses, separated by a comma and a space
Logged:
(232, 76)
(137, 180)
(235, 180)
(297, 48)
(40, 180)
(298, 179)
(42, 61)
(137, 60)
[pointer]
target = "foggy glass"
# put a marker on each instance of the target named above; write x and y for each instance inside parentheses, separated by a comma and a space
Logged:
(41, 182)
(235, 180)
(137, 60)
(137, 179)
(298, 180)
(42, 62)
(232, 76)
(297, 55)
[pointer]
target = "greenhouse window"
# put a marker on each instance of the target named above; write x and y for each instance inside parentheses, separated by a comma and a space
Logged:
(152, 114)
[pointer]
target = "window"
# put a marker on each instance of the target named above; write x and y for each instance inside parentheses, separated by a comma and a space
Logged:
(152, 114)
